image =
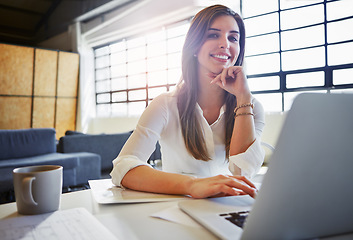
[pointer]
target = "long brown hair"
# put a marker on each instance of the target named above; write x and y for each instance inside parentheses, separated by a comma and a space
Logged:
(188, 88)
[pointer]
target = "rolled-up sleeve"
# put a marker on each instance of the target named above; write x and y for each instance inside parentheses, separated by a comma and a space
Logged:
(250, 161)
(122, 165)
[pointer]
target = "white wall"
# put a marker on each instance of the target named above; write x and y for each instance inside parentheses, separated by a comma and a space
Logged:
(112, 125)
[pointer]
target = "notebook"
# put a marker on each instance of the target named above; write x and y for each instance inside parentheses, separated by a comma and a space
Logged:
(307, 191)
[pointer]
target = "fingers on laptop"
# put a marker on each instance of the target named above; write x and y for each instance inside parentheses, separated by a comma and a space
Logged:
(245, 180)
(222, 185)
(242, 184)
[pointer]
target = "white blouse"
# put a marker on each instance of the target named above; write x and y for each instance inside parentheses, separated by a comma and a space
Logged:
(160, 122)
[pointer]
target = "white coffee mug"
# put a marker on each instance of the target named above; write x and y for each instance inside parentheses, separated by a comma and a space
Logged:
(38, 188)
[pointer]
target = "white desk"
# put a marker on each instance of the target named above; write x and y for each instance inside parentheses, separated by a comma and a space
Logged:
(133, 221)
(126, 221)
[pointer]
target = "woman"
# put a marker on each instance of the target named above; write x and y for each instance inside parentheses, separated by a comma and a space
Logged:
(209, 128)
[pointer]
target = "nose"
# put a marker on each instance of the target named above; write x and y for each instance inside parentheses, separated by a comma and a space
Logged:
(223, 42)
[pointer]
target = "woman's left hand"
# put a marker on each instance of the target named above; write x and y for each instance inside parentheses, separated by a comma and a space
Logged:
(233, 80)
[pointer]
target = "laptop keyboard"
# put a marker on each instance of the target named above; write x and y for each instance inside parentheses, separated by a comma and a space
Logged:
(237, 218)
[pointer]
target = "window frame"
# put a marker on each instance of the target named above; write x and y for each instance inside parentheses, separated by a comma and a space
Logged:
(282, 74)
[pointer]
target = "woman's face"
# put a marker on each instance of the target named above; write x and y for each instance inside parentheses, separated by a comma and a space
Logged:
(221, 47)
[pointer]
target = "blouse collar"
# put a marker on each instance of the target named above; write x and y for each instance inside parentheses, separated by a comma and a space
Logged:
(221, 112)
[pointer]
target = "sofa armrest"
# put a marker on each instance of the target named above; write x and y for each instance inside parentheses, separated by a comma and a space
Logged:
(78, 168)
(70, 164)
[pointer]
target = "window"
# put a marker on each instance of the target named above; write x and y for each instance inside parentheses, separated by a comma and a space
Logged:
(132, 71)
(285, 55)
(289, 55)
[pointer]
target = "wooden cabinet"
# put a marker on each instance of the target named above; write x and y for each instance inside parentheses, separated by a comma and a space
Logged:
(38, 88)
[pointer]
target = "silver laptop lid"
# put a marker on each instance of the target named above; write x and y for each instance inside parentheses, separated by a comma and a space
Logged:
(307, 191)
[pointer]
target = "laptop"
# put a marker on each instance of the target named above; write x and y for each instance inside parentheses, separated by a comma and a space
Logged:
(307, 191)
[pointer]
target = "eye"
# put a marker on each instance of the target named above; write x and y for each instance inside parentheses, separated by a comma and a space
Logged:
(233, 39)
(212, 35)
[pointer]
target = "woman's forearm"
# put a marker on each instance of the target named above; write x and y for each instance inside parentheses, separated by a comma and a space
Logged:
(144, 178)
(244, 129)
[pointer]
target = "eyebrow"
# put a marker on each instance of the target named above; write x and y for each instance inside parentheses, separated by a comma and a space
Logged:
(216, 29)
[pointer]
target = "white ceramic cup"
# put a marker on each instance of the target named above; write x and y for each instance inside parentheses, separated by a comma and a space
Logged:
(38, 188)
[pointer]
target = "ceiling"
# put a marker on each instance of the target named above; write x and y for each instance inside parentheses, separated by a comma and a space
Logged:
(29, 22)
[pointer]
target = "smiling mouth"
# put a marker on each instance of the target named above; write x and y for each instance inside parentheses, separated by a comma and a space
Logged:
(222, 57)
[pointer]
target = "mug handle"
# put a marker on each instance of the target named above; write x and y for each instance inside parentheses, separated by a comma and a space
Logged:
(27, 191)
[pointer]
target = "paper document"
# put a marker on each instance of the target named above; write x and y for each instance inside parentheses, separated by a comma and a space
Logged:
(72, 224)
(174, 214)
(105, 192)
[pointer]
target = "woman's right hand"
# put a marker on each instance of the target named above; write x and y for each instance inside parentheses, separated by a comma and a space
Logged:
(234, 81)
(221, 185)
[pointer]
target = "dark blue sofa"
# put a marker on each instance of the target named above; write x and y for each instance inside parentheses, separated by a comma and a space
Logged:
(37, 146)
(108, 146)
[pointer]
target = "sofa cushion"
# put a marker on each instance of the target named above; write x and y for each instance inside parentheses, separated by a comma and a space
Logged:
(108, 146)
(26, 142)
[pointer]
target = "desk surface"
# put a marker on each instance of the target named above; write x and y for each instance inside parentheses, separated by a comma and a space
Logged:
(126, 221)
(132, 221)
